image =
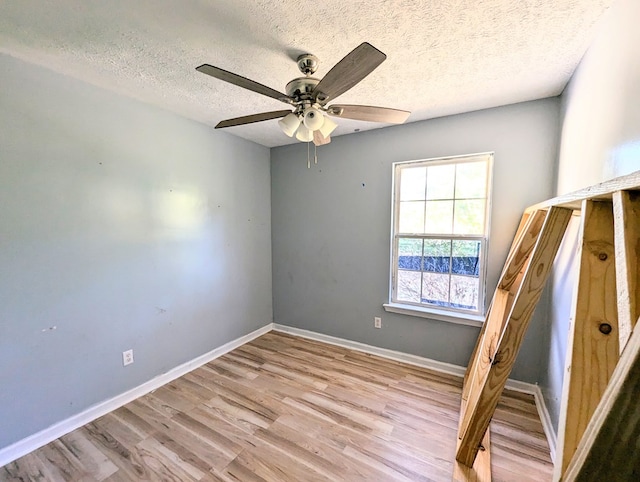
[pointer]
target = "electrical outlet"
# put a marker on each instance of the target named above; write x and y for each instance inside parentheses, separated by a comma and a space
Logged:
(377, 322)
(127, 357)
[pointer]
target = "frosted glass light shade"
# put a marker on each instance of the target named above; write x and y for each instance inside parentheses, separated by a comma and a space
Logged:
(289, 124)
(328, 127)
(303, 134)
(313, 119)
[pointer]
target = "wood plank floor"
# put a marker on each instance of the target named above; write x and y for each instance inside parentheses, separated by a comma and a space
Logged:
(287, 408)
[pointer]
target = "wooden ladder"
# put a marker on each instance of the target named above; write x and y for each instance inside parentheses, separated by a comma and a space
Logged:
(605, 308)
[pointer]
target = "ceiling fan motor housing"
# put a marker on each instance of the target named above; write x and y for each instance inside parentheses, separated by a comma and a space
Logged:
(301, 88)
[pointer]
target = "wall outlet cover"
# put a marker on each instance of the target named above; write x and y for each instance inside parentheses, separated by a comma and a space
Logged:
(127, 357)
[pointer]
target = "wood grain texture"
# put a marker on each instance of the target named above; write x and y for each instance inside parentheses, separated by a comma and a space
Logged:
(609, 449)
(524, 224)
(520, 252)
(287, 408)
(603, 192)
(319, 139)
(250, 119)
(370, 113)
(481, 470)
(626, 216)
(482, 402)
(510, 280)
(494, 327)
(241, 81)
(354, 67)
(593, 356)
(524, 220)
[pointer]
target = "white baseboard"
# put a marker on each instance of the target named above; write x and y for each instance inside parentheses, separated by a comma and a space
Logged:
(543, 411)
(435, 365)
(545, 418)
(374, 350)
(37, 440)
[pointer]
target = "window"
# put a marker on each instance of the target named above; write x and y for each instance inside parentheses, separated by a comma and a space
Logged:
(440, 230)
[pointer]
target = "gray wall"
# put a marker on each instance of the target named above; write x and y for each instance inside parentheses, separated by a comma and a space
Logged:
(600, 140)
(331, 225)
(122, 226)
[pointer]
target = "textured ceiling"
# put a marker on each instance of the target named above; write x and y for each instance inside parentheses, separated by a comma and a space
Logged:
(444, 56)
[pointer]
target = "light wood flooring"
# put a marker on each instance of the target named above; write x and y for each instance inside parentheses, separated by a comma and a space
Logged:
(287, 408)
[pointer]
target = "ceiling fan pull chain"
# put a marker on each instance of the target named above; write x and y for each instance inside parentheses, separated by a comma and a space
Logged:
(308, 158)
(315, 154)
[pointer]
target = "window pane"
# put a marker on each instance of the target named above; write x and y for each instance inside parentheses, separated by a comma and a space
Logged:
(466, 258)
(411, 217)
(435, 289)
(437, 255)
(439, 217)
(412, 183)
(471, 180)
(464, 292)
(409, 253)
(440, 181)
(469, 217)
(408, 286)
(439, 238)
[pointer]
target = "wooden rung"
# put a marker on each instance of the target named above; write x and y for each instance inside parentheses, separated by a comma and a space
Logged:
(609, 449)
(491, 330)
(521, 250)
(524, 220)
(473, 361)
(523, 243)
(626, 217)
(594, 329)
(494, 326)
(483, 401)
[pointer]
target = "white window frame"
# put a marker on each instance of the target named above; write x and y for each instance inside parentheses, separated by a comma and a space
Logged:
(457, 315)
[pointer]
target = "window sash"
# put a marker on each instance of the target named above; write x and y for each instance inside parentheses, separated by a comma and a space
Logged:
(481, 272)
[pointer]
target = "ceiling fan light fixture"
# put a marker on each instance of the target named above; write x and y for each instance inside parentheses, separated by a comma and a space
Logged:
(303, 134)
(313, 119)
(327, 127)
(307, 96)
(289, 124)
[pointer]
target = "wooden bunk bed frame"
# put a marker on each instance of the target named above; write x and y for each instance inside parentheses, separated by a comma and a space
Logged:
(599, 430)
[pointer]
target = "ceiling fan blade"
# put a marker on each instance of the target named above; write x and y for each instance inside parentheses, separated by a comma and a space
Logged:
(243, 82)
(348, 72)
(319, 139)
(250, 119)
(369, 113)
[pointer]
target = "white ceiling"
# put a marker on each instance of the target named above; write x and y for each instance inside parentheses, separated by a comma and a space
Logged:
(443, 56)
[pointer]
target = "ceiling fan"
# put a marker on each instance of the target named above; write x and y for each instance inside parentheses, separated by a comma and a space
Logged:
(309, 96)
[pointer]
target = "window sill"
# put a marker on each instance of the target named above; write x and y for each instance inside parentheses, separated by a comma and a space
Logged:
(440, 315)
